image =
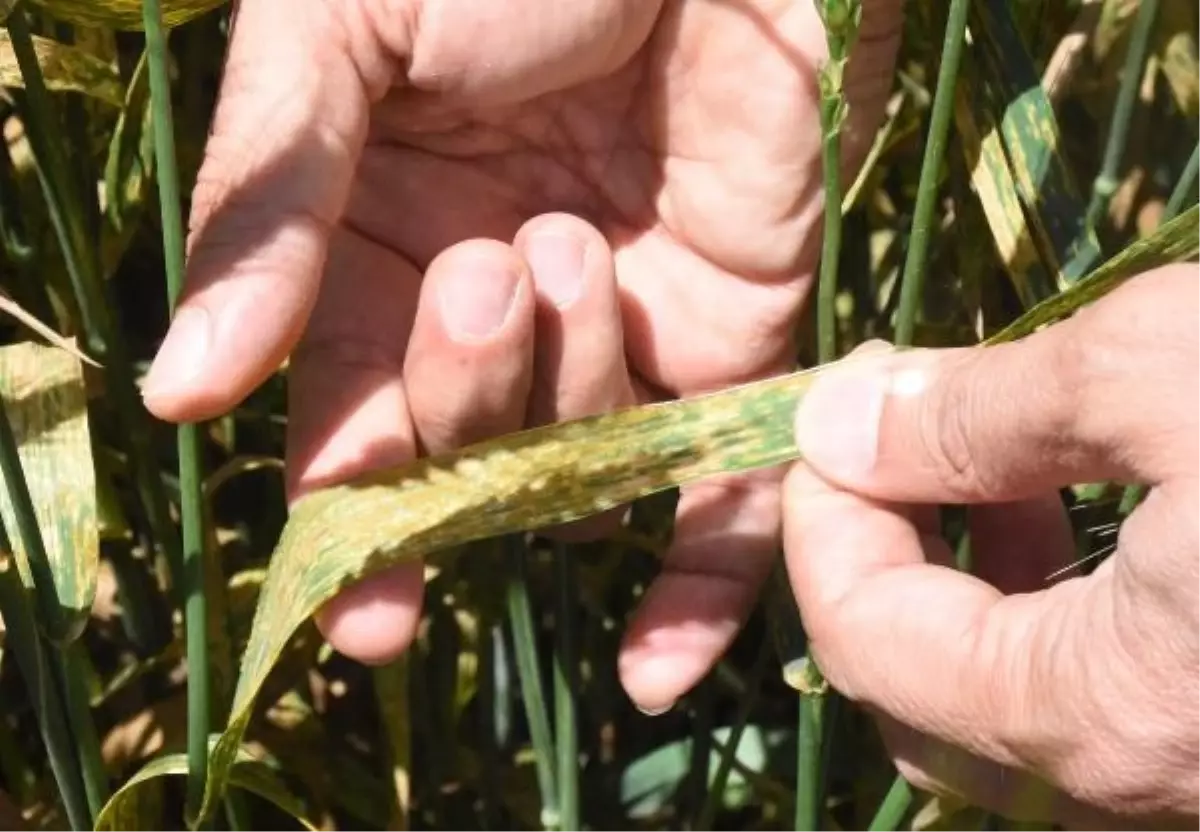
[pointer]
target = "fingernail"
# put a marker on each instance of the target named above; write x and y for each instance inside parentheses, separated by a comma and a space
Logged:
(557, 264)
(475, 301)
(655, 711)
(182, 354)
(837, 423)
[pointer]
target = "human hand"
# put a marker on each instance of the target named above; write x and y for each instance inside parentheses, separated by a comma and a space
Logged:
(465, 218)
(1075, 702)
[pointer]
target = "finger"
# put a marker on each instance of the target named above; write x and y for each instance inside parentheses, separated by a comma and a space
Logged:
(470, 360)
(347, 415)
(932, 648)
(1008, 422)
(276, 174)
(1017, 546)
(725, 538)
(579, 358)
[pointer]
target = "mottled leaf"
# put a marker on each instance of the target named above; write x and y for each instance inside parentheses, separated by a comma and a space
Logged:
(544, 477)
(66, 69)
(1176, 40)
(127, 809)
(1005, 92)
(47, 405)
(1173, 242)
(124, 14)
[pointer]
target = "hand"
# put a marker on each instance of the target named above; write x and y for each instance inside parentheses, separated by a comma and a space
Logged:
(1075, 702)
(461, 218)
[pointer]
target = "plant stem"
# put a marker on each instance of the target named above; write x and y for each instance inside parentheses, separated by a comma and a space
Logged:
(190, 495)
(1183, 187)
(32, 654)
(713, 800)
(1106, 181)
(831, 242)
(520, 616)
(895, 804)
(913, 280)
(101, 336)
(72, 669)
(566, 661)
(811, 732)
(392, 685)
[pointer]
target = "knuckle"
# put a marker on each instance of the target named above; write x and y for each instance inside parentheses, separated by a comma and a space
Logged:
(946, 434)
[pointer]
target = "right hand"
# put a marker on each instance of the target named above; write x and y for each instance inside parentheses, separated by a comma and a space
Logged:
(1074, 701)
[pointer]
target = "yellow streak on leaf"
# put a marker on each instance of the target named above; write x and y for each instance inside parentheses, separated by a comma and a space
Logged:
(44, 396)
(66, 69)
(124, 14)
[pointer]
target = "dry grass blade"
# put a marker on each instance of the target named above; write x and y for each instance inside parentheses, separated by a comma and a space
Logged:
(46, 402)
(127, 810)
(124, 14)
(1173, 242)
(66, 69)
(30, 321)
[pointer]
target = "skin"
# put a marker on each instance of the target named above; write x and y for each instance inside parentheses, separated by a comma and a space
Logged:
(1073, 700)
(387, 197)
(457, 219)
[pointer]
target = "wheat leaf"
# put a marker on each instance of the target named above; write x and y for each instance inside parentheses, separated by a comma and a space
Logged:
(547, 476)
(124, 14)
(1173, 242)
(46, 402)
(66, 69)
(128, 810)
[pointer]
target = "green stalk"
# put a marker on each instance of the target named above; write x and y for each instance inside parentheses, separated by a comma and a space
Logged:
(1107, 180)
(894, 806)
(520, 616)
(913, 280)
(716, 789)
(842, 19)
(566, 661)
(102, 338)
(32, 654)
(73, 669)
(1183, 187)
(810, 734)
(190, 478)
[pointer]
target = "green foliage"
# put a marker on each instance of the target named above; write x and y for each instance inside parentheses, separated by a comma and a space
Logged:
(966, 226)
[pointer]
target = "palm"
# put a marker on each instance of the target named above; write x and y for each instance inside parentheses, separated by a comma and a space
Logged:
(706, 186)
(684, 132)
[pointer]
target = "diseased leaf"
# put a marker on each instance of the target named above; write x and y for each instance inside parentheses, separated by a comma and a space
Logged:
(66, 69)
(547, 476)
(1004, 89)
(1177, 55)
(127, 809)
(1173, 242)
(124, 14)
(46, 401)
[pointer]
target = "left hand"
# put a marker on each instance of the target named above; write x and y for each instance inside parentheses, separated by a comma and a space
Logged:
(380, 196)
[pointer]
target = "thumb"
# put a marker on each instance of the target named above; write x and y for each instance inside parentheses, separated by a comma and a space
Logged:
(1071, 403)
(288, 130)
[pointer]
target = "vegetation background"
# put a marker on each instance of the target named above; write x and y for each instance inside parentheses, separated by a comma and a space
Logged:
(1066, 131)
